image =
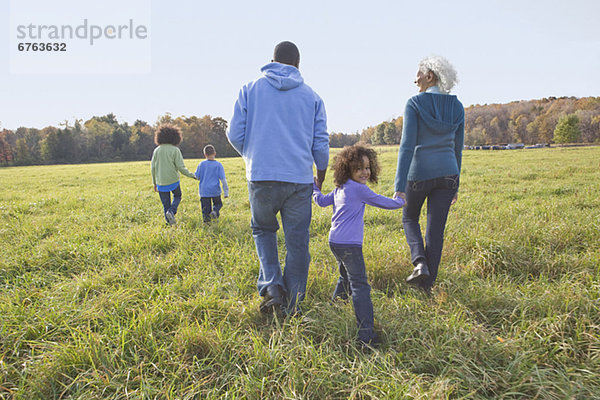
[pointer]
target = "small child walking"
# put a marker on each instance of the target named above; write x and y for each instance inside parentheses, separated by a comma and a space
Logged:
(166, 164)
(353, 167)
(209, 173)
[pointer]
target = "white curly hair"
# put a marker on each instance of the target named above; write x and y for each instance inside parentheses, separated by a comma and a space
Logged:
(443, 71)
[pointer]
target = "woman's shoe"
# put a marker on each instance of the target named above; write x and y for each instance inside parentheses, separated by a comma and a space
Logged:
(419, 274)
(369, 345)
(272, 300)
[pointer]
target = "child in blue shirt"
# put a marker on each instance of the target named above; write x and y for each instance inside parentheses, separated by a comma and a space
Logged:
(209, 173)
(353, 167)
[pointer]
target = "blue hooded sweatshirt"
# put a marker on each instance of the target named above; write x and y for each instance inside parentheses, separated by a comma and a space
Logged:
(279, 127)
(432, 138)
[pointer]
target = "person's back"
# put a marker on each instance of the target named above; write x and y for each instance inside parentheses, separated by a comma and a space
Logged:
(279, 127)
(284, 125)
(211, 173)
(354, 166)
(429, 163)
(436, 149)
(166, 164)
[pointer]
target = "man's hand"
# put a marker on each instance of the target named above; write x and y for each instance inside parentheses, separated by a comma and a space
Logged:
(320, 178)
(155, 189)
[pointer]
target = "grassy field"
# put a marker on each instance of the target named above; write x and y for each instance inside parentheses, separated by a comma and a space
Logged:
(100, 300)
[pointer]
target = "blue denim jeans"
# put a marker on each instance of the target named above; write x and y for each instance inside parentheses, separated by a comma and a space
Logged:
(293, 202)
(353, 279)
(165, 198)
(439, 193)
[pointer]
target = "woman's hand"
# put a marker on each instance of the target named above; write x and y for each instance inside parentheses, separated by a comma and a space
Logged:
(402, 195)
(454, 199)
(155, 189)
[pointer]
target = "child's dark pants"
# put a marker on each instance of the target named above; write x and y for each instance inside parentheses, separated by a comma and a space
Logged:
(210, 204)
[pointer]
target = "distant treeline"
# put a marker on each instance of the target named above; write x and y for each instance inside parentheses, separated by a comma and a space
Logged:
(551, 120)
(101, 139)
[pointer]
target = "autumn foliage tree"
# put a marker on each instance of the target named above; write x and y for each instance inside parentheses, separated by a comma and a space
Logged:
(6, 156)
(531, 121)
(387, 132)
(341, 139)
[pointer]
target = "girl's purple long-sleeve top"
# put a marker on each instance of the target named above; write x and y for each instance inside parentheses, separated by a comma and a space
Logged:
(349, 200)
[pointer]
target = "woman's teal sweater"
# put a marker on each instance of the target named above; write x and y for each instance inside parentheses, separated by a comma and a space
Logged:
(432, 138)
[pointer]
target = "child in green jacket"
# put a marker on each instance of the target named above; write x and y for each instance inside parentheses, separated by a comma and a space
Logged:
(167, 162)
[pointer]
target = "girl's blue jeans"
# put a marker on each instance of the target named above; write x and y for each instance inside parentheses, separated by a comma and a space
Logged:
(165, 198)
(353, 281)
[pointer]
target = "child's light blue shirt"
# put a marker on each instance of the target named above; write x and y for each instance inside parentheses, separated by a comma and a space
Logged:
(209, 173)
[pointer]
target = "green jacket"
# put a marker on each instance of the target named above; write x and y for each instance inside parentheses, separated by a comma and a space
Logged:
(166, 161)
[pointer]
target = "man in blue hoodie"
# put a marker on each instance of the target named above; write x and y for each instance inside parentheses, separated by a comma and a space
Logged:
(279, 127)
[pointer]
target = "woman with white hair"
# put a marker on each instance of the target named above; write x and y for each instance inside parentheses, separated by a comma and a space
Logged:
(429, 164)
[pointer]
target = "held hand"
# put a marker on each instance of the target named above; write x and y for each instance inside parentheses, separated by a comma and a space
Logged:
(454, 199)
(402, 195)
(316, 182)
(320, 178)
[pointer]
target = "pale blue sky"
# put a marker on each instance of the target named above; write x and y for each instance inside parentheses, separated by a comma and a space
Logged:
(360, 56)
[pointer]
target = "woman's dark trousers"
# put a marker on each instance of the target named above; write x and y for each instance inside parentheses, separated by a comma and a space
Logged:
(439, 193)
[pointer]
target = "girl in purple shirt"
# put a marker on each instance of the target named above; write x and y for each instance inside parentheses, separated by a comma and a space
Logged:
(353, 167)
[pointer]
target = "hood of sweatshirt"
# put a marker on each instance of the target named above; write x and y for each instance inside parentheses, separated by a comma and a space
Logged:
(441, 113)
(282, 76)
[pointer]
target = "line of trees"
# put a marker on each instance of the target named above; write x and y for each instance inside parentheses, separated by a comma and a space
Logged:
(101, 139)
(343, 139)
(549, 120)
(387, 132)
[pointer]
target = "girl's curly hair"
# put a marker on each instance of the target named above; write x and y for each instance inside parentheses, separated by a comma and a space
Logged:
(350, 159)
(167, 134)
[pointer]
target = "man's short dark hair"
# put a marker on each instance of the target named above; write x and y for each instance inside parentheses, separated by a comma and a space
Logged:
(287, 53)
